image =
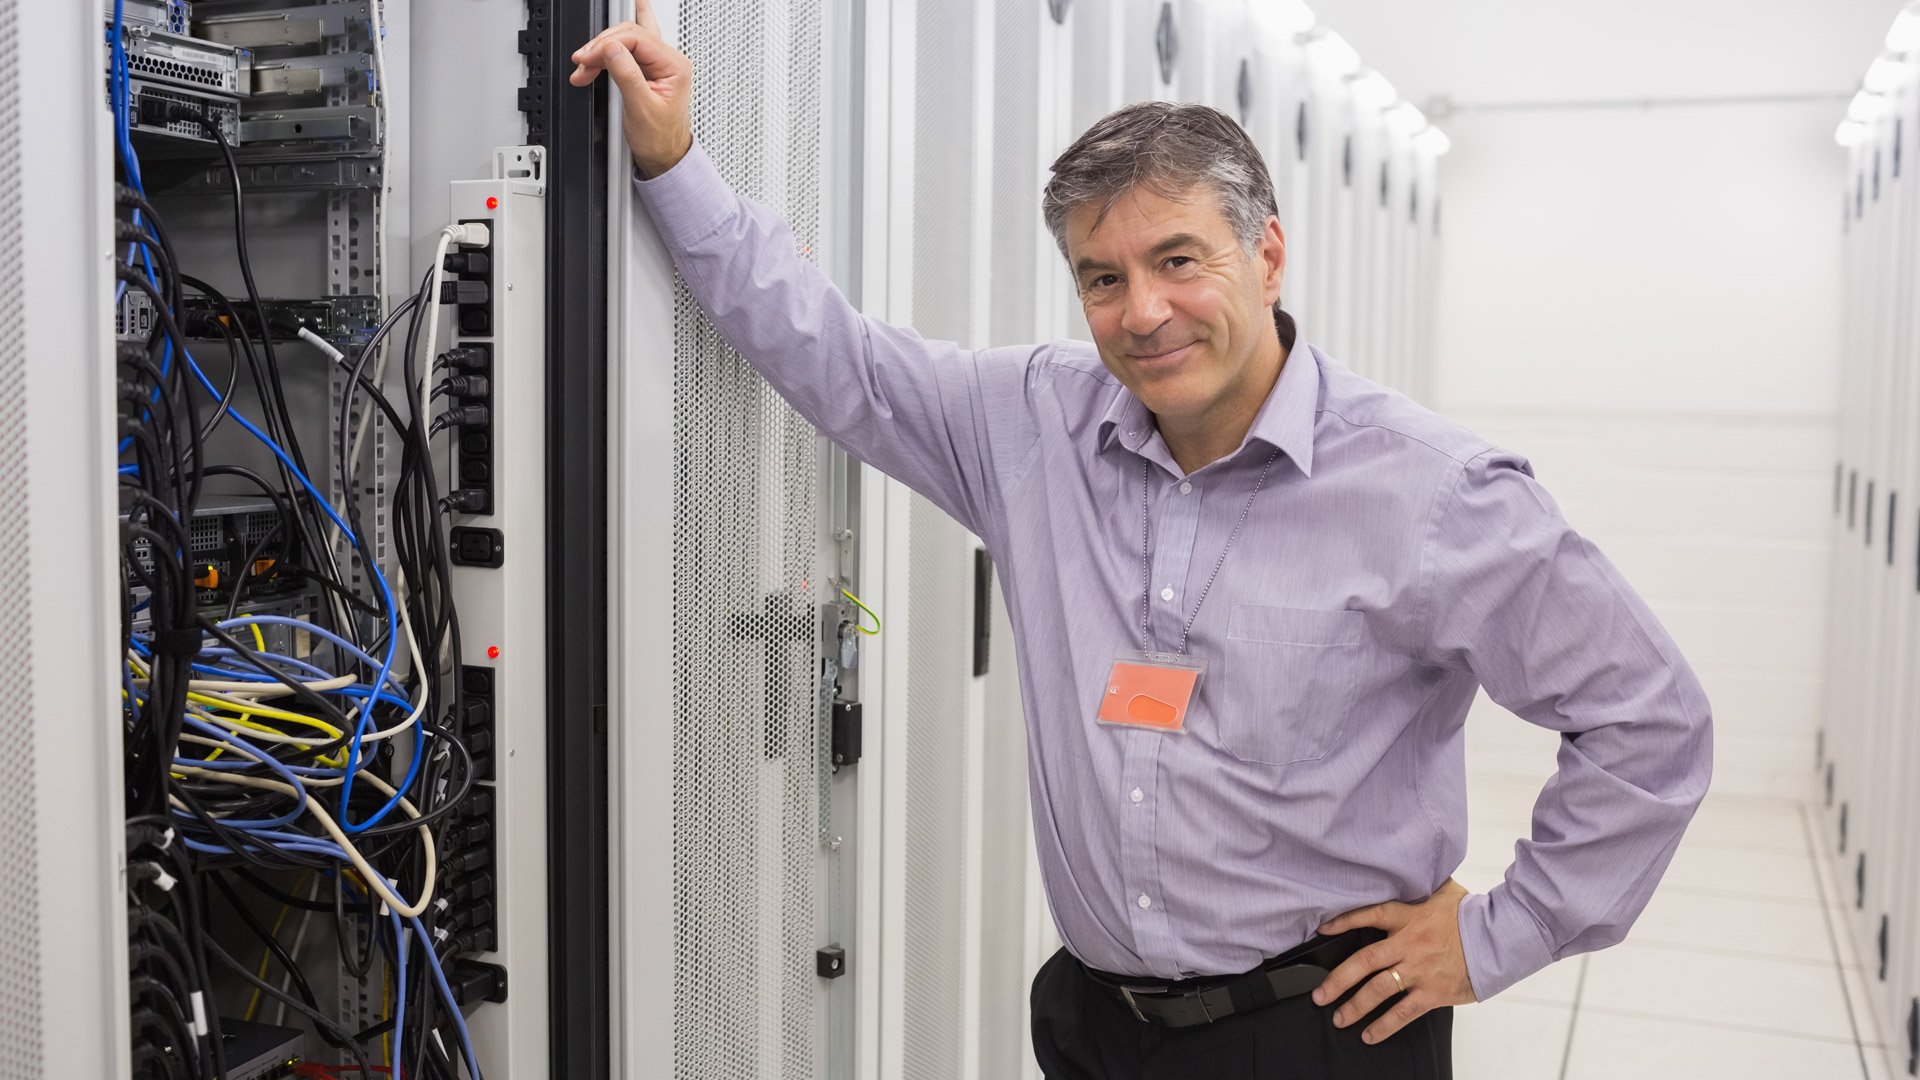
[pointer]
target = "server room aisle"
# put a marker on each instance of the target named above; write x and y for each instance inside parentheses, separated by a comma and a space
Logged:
(1738, 968)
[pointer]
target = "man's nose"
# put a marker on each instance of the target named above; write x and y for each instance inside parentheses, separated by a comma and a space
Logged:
(1146, 311)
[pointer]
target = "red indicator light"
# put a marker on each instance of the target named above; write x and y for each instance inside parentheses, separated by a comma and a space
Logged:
(493, 652)
(493, 203)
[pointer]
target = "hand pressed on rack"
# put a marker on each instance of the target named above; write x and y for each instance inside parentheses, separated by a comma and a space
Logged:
(654, 79)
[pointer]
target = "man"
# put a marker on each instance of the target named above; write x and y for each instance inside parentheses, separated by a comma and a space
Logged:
(1253, 596)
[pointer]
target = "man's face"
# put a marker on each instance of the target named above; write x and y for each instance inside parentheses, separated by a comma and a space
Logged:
(1178, 308)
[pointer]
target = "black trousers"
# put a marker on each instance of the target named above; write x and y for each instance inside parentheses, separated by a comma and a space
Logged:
(1079, 1033)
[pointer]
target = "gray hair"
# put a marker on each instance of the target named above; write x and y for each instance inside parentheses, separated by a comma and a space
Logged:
(1167, 149)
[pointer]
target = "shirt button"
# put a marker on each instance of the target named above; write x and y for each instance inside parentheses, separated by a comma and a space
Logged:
(1144, 902)
(1166, 593)
(1136, 795)
(1186, 487)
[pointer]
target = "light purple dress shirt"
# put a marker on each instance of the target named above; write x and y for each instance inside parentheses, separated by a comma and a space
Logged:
(1393, 563)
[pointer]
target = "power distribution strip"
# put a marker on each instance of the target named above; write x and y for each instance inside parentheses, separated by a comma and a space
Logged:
(497, 297)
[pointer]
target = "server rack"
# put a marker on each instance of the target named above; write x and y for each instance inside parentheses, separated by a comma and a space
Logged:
(1868, 746)
(348, 175)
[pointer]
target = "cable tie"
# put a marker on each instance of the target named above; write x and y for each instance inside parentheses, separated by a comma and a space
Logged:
(200, 1027)
(166, 839)
(163, 879)
(440, 935)
(307, 335)
(437, 1042)
(175, 642)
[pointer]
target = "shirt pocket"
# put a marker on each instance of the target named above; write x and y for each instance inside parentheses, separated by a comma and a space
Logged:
(1289, 681)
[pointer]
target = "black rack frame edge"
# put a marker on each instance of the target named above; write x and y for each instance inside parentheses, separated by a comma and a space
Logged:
(571, 122)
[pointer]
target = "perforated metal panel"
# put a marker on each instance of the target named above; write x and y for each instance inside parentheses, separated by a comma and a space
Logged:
(747, 765)
(943, 218)
(1004, 910)
(20, 1030)
(1016, 172)
(939, 666)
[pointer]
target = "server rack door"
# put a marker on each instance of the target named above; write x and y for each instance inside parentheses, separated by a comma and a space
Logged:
(1887, 836)
(1150, 62)
(1897, 896)
(724, 839)
(63, 946)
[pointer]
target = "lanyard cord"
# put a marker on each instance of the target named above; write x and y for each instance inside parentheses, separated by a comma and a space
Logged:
(1146, 569)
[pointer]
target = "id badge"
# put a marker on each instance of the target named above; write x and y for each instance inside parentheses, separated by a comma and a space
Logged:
(1150, 690)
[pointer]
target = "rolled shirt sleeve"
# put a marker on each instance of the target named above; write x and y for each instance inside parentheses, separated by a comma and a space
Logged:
(1554, 634)
(916, 409)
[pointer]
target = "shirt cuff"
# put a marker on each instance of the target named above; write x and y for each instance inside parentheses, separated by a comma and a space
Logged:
(1502, 940)
(688, 201)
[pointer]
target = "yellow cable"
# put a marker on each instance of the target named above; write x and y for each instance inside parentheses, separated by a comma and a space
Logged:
(265, 953)
(865, 608)
(259, 639)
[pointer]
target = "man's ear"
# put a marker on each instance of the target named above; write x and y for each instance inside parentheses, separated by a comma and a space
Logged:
(1272, 252)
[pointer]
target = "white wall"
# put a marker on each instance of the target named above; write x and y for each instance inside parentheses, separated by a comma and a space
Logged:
(1645, 302)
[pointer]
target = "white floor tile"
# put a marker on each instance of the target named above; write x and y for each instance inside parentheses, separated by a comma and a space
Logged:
(1490, 843)
(1742, 872)
(1502, 796)
(1868, 996)
(1480, 877)
(1614, 1047)
(1882, 1064)
(1734, 821)
(1787, 929)
(1556, 984)
(1784, 996)
(1510, 1040)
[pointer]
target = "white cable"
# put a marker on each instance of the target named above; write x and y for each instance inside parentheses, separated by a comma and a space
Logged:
(368, 874)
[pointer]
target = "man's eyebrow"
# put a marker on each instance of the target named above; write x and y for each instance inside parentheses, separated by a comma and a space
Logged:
(1177, 240)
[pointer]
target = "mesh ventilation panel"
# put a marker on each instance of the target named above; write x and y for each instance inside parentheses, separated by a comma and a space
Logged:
(939, 664)
(747, 860)
(939, 657)
(943, 217)
(1016, 171)
(20, 1051)
(1093, 63)
(1004, 912)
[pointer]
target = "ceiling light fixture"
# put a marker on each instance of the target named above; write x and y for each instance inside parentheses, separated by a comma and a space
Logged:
(1371, 91)
(1330, 52)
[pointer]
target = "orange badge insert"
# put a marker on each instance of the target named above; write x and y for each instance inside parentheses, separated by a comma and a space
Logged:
(1150, 693)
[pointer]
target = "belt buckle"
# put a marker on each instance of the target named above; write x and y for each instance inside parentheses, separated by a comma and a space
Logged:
(1127, 992)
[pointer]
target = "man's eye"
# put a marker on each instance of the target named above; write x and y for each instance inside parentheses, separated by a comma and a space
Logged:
(1104, 281)
(1179, 261)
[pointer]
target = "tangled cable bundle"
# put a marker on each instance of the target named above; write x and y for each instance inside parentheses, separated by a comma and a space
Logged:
(317, 778)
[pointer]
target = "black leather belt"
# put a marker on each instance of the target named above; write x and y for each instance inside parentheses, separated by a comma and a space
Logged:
(1203, 1001)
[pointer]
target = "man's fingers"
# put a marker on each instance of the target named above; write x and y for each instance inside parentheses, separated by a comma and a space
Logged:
(1404, 1012)
(643, 14)
(1389, 916)
(586, 54)
(1365, 1000)
(624, 71)
(1358, 966)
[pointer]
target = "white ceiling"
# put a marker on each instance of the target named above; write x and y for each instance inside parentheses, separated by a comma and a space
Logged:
(1508, 51)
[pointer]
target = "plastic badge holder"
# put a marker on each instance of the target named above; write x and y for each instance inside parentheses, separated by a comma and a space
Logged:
(1150, 690)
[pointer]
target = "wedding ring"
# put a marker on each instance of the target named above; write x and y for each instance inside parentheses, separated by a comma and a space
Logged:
(1397, 980)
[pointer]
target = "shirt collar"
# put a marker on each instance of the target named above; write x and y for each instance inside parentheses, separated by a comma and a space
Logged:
(1285, 420)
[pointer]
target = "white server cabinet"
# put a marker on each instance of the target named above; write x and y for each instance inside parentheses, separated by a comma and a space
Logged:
(1869, 747)
(63, 947)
